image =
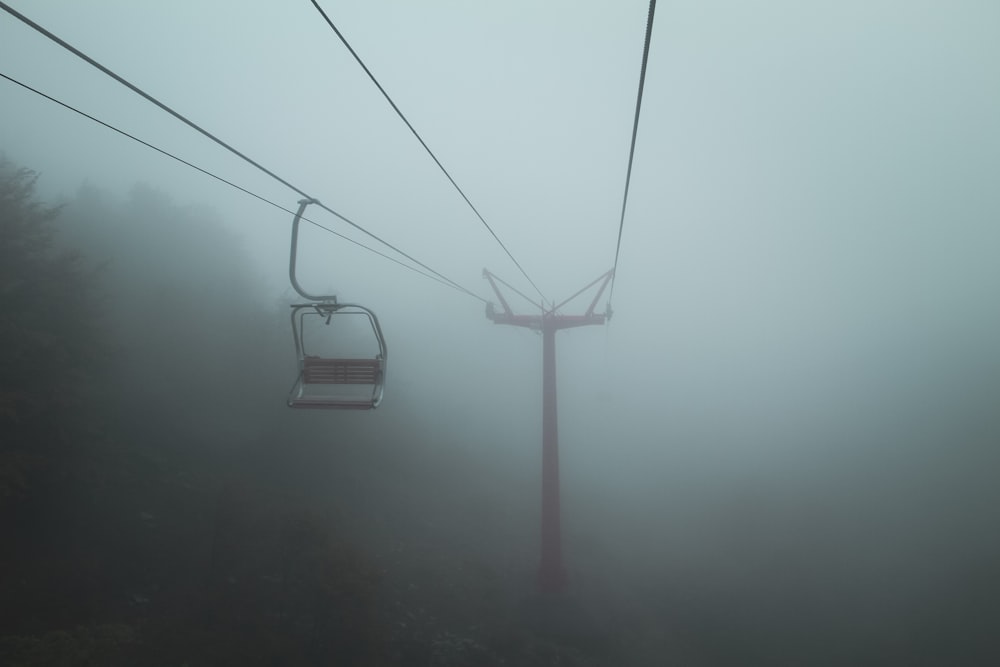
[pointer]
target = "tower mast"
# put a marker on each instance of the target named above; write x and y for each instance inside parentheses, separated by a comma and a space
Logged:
(551, 573)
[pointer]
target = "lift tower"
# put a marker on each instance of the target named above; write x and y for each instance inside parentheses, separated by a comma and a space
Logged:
(551, 574)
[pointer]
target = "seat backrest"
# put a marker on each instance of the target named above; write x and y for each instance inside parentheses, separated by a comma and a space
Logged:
(319, 370)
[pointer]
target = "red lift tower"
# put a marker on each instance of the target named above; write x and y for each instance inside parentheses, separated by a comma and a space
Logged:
(551, 574)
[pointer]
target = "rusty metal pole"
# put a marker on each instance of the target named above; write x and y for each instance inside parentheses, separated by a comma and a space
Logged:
(551, 574)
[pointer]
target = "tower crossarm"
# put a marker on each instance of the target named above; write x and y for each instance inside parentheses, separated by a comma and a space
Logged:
(547, 319)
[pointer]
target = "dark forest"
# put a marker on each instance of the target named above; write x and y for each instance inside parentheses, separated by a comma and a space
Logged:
(162, 506)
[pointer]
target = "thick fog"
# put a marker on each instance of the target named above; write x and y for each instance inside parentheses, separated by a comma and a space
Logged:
(781, 449)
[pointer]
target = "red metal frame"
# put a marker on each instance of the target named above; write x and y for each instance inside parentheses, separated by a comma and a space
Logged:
(551, 573)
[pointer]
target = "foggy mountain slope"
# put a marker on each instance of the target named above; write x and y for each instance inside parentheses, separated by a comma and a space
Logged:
(50, 335)
(782, 450)
(146, 510)
(857, 538)
(851, 524)
(201, 472)
(183, 306)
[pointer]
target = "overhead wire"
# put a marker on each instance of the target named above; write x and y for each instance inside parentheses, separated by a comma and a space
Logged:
(631, 151)
(424, 144)
(216, 176)
(24, 19)
(519, 293)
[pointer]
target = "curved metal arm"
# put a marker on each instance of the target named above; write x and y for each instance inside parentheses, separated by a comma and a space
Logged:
(326, 310)
(295, 246)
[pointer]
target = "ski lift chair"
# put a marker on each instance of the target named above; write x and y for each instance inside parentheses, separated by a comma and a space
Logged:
(327, 382)
(344, 383)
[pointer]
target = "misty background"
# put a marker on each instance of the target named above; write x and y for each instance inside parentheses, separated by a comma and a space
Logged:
(783, 448)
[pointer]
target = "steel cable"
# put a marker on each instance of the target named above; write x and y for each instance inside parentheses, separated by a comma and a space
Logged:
(631, 152)
(217, 177)
(24, 19)
(424, 144)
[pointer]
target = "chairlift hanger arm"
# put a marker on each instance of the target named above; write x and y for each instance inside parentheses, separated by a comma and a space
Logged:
(294, 253)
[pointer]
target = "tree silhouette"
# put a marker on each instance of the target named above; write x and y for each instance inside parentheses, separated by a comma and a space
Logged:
(49, 338)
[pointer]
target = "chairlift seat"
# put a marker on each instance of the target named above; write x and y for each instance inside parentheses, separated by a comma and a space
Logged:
(317, 370)
(321, 371)
(327, 403)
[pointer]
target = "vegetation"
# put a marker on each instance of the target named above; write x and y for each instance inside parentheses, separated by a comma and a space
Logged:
(48, 333)
(162, 507)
